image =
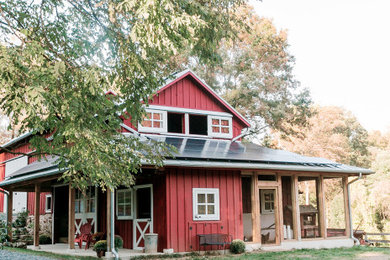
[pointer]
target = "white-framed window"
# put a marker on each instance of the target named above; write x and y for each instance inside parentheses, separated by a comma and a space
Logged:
(155, 121)
(267, 201)
(124, 204)
(205, 204)
(79, 202)
(220, 126)
(48, 203)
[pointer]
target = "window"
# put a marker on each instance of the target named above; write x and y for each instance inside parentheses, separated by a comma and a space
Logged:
(124, 204)
(205, 204)
(48, 203)
(198, 124)
(79, 202)
(220, 126)
(267, 201)
(154, 121)
(175, 123)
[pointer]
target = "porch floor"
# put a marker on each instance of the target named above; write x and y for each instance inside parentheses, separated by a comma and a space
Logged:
(63, 249)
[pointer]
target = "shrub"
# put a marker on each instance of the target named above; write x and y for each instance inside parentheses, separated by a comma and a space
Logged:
(100, 246)
(237, 246)
(21, 220)
(44, 239)
(118, 242)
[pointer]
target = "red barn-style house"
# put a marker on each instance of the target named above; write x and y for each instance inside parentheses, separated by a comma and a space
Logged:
(215, 184)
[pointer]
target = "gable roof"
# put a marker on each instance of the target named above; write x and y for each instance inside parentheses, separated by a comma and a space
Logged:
(188, 72)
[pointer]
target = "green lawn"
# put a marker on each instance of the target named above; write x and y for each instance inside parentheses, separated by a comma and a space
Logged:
(343, 253)
(340, 253)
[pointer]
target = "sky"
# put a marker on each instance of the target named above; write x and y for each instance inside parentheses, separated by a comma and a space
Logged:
(342, 51)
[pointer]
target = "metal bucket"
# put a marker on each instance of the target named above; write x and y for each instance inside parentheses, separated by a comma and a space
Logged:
(151, 243)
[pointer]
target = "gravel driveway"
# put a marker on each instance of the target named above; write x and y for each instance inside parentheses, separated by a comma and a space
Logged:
(5, 254)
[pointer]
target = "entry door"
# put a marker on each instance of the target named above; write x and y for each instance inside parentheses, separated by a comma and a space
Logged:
(143, 214)
(85, 209)
(269, 215)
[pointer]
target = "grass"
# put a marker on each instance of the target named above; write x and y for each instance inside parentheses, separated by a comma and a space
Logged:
(336, 253)
(362, 252)
(46, 254)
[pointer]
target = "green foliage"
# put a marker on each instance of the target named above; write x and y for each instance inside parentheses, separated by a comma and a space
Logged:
(57, 58)
(253, 72)
(237, 246)
(21, 220)
(118, 241)
(4, 232)
(100, 246)
(44, 239)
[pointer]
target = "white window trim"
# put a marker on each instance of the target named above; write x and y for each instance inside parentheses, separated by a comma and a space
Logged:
(263, 210)
(196, 216)
(131, 204)
(163, 129)
(221, 135)
(47, 210)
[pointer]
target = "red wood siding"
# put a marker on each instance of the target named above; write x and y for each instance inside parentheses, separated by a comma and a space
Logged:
(2, 175)
(31, 202)
(187, 93)
(124, 228)
(181, 229)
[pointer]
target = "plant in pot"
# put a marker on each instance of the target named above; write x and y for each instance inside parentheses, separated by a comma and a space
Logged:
(118, 242)
(100, 248)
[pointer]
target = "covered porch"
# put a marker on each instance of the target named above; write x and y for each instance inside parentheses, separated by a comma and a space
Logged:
(128, 212)
(286, 209)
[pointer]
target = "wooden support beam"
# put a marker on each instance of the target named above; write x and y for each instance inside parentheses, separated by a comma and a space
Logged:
(295, 208)
(280, 207)
(346, 207)
(71, 218)
(256, 225)
(36, 213)
(278, 234)
(108, 220)
(321, 206)
(9, 213)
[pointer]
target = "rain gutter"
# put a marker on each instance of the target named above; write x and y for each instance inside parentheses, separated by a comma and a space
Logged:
(259, 166)
(31, 176)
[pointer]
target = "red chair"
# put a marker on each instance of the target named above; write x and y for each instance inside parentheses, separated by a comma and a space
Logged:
(84, 236)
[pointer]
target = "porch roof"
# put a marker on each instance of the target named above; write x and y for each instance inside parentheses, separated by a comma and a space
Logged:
(209, 153)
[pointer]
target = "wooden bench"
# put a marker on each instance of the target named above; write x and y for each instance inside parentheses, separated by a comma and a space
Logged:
(214, 240)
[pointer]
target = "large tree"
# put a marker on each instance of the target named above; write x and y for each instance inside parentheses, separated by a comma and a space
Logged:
(57, 58)
(254, 73)
(331, 133)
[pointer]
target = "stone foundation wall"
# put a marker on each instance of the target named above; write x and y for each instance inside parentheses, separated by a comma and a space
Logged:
(45, 224)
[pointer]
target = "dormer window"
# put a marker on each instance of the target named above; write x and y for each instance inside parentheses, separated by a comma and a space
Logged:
(182, 121)
(155, 121)
(220, 127)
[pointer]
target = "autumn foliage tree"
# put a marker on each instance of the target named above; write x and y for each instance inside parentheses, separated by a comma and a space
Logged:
(253, 72)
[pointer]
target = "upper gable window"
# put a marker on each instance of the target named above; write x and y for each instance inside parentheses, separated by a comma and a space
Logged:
(198, 124)
(154, 121)
(220, 126)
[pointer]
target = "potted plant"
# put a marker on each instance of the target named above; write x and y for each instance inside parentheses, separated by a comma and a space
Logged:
(118, 242)
(100, 248)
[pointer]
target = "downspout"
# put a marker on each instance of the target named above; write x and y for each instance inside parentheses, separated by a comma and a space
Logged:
(357, 242)
(113, 226)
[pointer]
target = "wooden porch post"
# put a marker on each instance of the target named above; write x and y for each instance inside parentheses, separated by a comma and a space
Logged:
(71, 217)
(346, 207)
(108, 220)
(280, 208)
(255, 210)
(321, 206)
(9, 213)
(36, 213)
(295, 208)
